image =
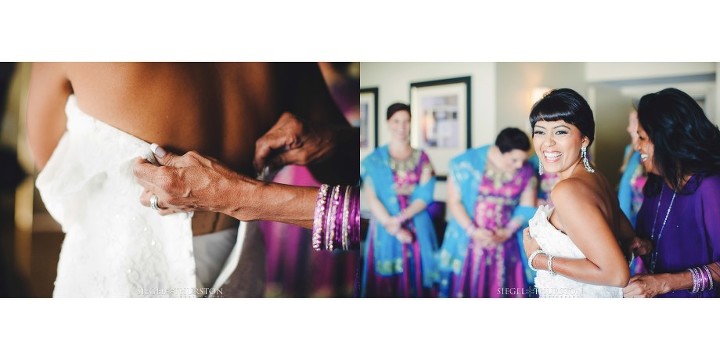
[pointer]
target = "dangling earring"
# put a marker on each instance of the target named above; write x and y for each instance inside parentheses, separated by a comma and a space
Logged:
(540, 169)
(583, 154)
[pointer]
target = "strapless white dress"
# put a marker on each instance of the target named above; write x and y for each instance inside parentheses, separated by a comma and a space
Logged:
(114, 246)
(556, 243)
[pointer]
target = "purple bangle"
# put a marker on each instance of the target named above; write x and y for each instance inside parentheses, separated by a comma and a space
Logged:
(339, 215)
(709, 274)
(331, 207)
(346, 218)
(354, 232)
(708, 277)
(336, 222)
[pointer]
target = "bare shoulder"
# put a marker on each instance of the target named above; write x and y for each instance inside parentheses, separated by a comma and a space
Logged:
(584, 194)
(570, 188)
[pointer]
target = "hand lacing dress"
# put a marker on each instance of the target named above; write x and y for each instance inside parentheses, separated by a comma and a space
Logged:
(114, 246)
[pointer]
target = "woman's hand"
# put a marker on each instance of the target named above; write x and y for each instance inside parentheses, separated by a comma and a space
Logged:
(392, 225)
(502, 235)
(483, 237)
(190, 182)
(640, 246)
(529, 243)
(404, 236)
(290, 141)
(645, 286)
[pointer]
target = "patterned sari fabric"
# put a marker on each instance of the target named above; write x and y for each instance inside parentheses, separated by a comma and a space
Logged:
(393, 269)
(492, 200)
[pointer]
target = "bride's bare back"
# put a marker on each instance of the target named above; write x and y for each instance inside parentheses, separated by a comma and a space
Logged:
(217, 109)
(587, 210)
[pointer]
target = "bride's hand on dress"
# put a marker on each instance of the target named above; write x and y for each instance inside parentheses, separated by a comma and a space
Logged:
(529, 243)
(646, 286)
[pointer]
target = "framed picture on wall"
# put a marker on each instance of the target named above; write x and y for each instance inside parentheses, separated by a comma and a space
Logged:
(441, 120)
(368, 120)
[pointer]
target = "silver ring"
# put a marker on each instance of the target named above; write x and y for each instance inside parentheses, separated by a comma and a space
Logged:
(154, 202)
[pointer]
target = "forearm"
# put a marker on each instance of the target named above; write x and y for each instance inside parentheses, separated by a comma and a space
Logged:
(583, 270)
(514, 224)
(686, 280)
(257, 200)
(413, 209)
(460, 215)
(378, 209)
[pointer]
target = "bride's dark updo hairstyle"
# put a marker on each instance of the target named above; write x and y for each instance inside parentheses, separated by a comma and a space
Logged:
(565, 104)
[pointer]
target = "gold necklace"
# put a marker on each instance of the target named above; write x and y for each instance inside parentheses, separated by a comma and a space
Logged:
(498, 177)
(405, 165)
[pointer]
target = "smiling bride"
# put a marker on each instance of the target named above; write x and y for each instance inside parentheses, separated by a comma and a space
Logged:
(575, 247)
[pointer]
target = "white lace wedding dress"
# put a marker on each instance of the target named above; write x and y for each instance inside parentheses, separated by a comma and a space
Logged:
(556, 243)
(114, 246)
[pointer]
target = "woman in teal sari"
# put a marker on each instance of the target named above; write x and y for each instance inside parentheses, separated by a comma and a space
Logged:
(630, 190)
(633, 175)
(399, 255)
(491, 195)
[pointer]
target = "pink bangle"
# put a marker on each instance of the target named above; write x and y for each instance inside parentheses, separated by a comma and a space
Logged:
(336, 222)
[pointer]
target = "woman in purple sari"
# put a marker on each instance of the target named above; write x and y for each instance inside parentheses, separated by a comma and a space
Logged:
(680, 149)
(491, 194)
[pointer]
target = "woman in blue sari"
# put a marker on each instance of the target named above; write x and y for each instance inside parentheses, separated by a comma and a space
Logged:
(631, 185)
(633, 175)
(491, 195)
(399, 255)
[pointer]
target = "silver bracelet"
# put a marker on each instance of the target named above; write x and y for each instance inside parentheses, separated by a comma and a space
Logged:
(550, 260)
(532, 257)
(696, 281)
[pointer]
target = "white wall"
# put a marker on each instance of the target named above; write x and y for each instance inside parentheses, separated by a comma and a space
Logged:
(516, 82)
(627, 71)
(632, 78)
(394, 79)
